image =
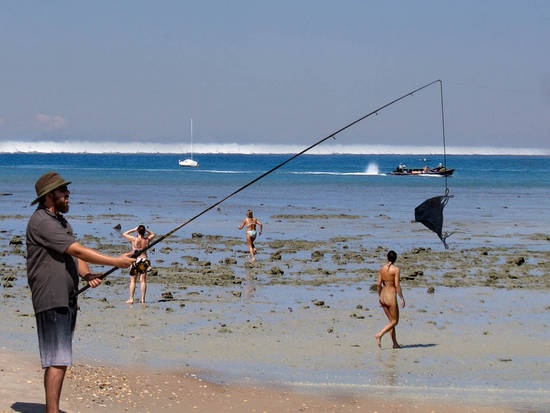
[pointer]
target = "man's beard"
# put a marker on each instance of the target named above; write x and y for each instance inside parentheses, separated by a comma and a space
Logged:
(61, 205)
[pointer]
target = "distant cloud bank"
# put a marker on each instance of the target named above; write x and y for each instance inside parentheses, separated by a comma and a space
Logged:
(235, 148)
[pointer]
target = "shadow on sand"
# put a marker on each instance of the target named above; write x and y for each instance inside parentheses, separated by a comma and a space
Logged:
(30, 407)
(418, 345)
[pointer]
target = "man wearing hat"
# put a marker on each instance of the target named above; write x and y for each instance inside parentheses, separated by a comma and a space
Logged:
(54, 262)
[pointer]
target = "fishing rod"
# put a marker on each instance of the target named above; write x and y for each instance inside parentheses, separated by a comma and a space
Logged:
(137, 253)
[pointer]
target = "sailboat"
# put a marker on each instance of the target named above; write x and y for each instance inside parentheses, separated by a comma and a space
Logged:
(189, 162)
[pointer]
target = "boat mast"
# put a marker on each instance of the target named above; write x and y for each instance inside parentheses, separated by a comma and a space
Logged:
(191, 138)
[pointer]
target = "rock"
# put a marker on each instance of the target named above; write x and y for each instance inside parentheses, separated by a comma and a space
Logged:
(330, 330)
(317, 256)
(359, 307)
(16, 240)
(519, 261)
(118, 227)
(318, 302)
(276, 271)
(373, 287)
(413, 275)
(196, 235)
(229, 261)
(276, 256)
(224, 330)
(167, 296)
(430, 290)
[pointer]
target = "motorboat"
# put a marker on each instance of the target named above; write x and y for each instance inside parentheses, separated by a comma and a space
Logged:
(439, 170)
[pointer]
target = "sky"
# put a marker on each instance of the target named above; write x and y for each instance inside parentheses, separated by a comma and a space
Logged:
(275, 73)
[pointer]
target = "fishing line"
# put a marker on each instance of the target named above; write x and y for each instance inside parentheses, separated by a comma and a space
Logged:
(137, 253)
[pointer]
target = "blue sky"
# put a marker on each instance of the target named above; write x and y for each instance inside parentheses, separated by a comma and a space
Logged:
(285, 72)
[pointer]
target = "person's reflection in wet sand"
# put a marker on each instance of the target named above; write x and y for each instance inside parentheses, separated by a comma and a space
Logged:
(249, 286)
(387, 361)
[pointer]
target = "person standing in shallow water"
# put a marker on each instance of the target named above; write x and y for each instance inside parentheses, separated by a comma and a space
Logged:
(55, 261)
(250, 222)
(388, 288)
(139, 268)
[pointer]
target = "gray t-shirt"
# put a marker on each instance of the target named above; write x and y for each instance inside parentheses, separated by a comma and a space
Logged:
(52, 274)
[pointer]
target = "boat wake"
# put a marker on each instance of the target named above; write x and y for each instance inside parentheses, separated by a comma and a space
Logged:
(371, 170)
(337, 173)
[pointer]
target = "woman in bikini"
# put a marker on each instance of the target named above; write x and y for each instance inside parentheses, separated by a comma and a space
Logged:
(250, 222)
(388, 287)
(141, 240)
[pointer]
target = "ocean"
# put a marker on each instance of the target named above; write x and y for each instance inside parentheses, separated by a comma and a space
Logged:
(504, 192)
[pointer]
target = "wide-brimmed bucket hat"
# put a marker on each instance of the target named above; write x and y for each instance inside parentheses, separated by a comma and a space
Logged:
(47, 183)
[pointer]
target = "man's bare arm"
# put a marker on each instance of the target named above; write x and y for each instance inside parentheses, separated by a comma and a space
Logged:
(95, 257)
(87, 275)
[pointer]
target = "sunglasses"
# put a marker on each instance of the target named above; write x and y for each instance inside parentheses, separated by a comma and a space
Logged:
(62, 188)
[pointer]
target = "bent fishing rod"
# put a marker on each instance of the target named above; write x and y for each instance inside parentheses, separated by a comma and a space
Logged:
(137, 253)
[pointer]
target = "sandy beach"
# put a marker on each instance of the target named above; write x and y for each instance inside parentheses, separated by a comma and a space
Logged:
(99, 388)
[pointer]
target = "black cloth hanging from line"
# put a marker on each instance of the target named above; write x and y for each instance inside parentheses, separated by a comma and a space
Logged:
(430, 213)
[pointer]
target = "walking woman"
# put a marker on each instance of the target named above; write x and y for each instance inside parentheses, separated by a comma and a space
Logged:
(388, 288)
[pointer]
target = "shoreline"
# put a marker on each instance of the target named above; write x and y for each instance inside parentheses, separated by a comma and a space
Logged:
(91, 388)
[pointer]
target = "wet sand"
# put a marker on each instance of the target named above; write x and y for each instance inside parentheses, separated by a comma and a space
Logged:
(299, 325)
(98, 388)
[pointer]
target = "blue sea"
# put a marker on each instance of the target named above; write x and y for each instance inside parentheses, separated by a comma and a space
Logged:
(502, 194)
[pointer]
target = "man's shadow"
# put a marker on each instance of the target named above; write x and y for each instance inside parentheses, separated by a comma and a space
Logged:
(418, 345)
(30, 407)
